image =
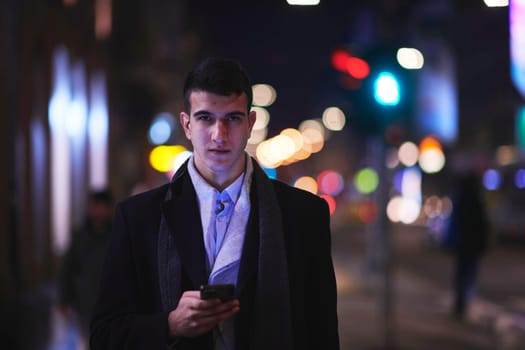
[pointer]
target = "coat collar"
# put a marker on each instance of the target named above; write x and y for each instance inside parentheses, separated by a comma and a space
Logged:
(181, 213)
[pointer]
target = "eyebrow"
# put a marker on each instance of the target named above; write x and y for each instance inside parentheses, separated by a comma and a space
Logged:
(232, 113)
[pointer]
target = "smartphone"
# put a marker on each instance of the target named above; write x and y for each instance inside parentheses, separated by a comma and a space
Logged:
(224, 292)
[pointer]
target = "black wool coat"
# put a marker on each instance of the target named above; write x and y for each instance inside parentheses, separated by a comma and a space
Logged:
(129, 312)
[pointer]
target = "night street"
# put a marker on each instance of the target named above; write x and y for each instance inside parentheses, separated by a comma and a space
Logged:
(422, 297)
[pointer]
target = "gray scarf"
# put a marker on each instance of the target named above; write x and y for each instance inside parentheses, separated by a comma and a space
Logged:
(271, 328)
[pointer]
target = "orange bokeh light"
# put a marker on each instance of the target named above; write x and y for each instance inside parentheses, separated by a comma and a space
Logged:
(429, 143)
(368, 212)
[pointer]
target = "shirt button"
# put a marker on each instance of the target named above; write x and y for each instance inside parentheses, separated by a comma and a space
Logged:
(222, 218)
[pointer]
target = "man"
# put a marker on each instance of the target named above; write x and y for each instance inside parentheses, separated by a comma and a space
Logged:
(220, 220)
(82, 264)
(469, 234)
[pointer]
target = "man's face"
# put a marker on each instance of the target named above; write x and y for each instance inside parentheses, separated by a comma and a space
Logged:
(100, 214)
(218, 128)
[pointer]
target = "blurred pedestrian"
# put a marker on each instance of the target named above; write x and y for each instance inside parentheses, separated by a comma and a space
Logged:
(82, 264)
(468, 237)
(221, 220)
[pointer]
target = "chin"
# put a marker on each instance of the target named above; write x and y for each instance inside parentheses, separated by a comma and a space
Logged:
(219, 166)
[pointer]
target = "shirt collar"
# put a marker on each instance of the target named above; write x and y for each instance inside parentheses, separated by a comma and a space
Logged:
(206, 192)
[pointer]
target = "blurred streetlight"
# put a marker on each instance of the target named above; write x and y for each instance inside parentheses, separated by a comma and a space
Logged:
(410, 58)
(303, 2)
(496, 3)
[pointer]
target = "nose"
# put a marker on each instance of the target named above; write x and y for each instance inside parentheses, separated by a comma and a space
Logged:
(220, 132)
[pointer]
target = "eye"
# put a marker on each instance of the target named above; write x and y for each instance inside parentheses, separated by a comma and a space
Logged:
(234, 118)
(203, 117)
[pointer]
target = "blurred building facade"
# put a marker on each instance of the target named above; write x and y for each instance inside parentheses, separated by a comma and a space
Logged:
(80, 60)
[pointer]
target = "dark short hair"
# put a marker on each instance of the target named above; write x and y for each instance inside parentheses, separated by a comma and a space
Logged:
(102, 196)
(220, 76)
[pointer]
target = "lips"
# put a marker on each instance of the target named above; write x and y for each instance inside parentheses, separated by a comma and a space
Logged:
(219, 151)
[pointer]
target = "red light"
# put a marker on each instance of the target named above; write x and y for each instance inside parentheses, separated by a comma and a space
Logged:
(357, 67)
(340, 60)
(368, 212)
(330, 182)
(331, 202)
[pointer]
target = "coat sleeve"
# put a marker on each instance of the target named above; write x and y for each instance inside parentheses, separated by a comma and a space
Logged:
(123, 318)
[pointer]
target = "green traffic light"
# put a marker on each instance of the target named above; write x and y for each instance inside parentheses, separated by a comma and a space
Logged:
(387, 89)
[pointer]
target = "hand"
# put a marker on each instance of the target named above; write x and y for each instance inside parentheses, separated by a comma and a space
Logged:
(194, 316)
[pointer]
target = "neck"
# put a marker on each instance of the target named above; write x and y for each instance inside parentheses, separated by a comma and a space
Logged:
(218, 180)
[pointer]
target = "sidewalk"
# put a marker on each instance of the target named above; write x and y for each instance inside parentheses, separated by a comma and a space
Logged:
(421, 307)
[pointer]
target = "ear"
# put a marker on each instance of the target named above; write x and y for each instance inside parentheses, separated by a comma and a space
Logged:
(184, 119)
(252, 117)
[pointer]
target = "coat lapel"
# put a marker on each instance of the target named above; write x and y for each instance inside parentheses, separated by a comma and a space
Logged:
(182, 215)
(248, 268)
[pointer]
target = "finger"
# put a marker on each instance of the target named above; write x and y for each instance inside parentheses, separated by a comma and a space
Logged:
(213, 306)
(222, 311)
(205, 305)
(194, 294)
(210, 321)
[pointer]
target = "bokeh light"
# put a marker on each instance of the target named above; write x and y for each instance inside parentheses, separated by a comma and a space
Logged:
(177, 162)
(409, 210)
(357, 67)
(339, 58)
(433, 206)
(296, 137)
(387, 89)
(397, 180)
(303, 2)
(161, 128)
(402, 209)
(180, 159)
(519, 178)
(306, 183)
(334, 119)
(314, 138)
(312, 124)
(392, 159)
(496, 3)
(262, 118)
(410, 58)
(431, 156)
(162, 158)
(432, 161)
(257, 136)
(446, 207)
(411, 183)
(286, 146)
(271, 172)
(428, 143)
(408, 153)
(491, 179)
(268, 154)
(506, 155)
(330, 182)
(332, 205)
(276, 151)
(367, 212)
(366, 180)
(264, 95)
(392, 208)
(304, 152)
